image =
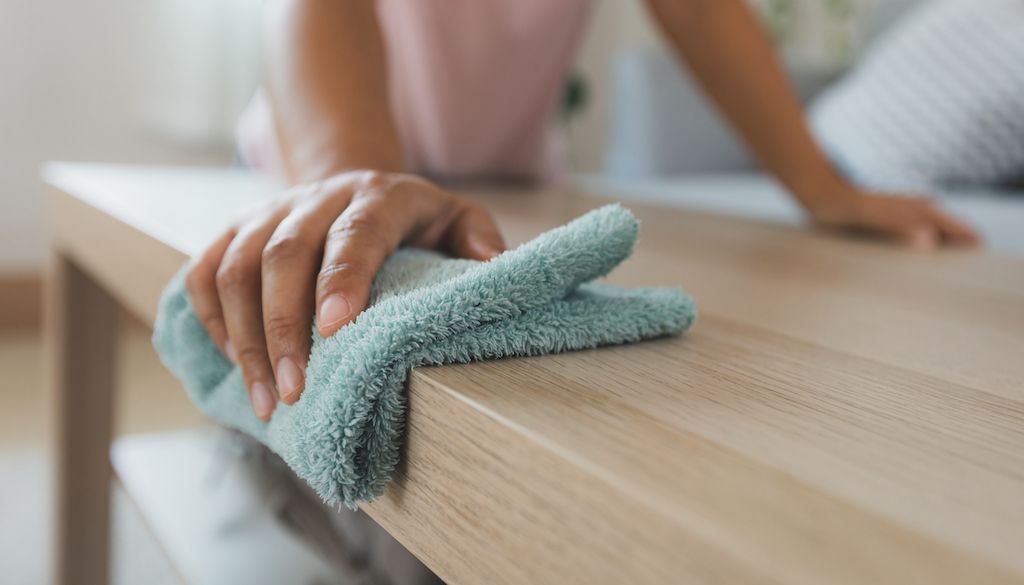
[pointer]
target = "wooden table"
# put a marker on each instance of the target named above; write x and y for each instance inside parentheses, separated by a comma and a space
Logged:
(842, 412)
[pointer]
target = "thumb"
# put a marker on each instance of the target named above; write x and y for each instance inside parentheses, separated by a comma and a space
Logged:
(474, 234)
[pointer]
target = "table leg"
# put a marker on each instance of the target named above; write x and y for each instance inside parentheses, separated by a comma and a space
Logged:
(82, 321)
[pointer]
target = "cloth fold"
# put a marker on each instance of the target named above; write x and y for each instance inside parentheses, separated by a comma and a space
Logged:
(343, 436)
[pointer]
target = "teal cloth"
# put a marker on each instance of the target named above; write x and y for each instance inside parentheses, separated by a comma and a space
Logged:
(343, 436)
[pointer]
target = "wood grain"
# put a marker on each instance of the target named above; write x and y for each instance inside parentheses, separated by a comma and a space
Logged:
(843, 412)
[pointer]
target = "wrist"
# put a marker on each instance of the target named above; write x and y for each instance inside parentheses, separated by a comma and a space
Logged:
(319, 160)
(825, 195)
(329, 169)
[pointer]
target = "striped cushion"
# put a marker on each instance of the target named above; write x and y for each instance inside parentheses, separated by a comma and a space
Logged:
(937, 101)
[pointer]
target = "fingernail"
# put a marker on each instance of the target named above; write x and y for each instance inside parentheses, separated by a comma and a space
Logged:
(262, 400)
(229, 350)
(289, 377)
(334, 309)
(484, 249)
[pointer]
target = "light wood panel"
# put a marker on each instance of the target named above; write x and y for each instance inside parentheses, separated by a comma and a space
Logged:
(769, 437)
(842, 412)
(20, 301)
(81, 320)
(129, 263)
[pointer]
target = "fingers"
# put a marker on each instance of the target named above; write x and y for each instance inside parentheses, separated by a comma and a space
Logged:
(290, 262)
(317, 250)
(201, 283)
(917, 233)
(358, 242)
(473, 234)
(953, 230)
(239, 287)
(915, 221)
(928, 228)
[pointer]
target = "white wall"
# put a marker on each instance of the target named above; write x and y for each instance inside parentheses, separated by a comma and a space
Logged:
(73, 86)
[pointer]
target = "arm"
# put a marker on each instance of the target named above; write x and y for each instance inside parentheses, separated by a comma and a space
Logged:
(327, 82)
(729, 54)
(316, 248)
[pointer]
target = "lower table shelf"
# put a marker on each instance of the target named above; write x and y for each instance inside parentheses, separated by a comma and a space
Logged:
(207, 514)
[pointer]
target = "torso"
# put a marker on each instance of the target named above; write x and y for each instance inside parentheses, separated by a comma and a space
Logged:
(474, 85)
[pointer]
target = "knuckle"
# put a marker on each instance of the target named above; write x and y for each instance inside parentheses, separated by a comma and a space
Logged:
(195, 281)
(338, 271)
(232, 275)
(211, 321)
(474, 206)
(306, 192)
(359, 226)
(282, 250)
(280, 328)
(251, 356)
(412, 180)
(374, 180)
(300, 191)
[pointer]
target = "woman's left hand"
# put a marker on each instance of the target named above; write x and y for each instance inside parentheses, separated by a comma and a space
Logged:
(914, 221)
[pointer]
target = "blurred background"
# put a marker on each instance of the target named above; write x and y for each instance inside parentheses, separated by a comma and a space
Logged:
(164, 81)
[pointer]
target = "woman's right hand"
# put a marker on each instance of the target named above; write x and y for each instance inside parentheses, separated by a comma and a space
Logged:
(317, 248)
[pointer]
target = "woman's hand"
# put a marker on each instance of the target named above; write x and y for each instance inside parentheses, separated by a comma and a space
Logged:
(318, 247)
(913, 221)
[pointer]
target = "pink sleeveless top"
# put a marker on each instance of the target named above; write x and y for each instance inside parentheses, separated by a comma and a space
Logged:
(475, 85)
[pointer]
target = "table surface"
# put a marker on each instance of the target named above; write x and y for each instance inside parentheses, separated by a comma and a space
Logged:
(842, 411)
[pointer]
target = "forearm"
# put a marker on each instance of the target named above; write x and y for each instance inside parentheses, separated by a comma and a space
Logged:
(327, 83)
(732, 58)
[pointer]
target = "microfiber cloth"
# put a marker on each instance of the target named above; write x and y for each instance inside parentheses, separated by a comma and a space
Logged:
(343, 436)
